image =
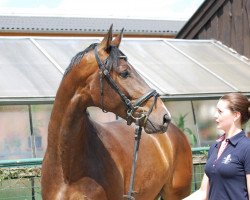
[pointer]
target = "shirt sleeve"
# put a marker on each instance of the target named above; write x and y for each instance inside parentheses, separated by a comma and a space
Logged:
(246, 158)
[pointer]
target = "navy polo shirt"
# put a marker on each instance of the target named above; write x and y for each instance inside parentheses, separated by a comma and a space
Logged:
(227, 175)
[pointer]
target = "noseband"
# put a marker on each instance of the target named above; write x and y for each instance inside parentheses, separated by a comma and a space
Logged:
(130, 107)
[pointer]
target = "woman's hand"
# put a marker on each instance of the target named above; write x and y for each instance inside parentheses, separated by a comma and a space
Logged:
(202, 193)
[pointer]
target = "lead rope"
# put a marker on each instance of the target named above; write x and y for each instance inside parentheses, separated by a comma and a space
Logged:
(131, 191)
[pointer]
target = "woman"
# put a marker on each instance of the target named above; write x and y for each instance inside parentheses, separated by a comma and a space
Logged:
(227, 171)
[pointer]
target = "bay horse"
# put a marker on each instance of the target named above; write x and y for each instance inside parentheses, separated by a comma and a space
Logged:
(90, 160)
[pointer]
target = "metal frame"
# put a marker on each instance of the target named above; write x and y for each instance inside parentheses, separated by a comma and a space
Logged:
(38, 161)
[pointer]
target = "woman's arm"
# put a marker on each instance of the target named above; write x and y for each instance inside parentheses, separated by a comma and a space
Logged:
(248, 184)
(202, 193)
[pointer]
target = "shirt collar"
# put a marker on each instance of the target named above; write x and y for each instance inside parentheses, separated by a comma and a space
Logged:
(233, 140)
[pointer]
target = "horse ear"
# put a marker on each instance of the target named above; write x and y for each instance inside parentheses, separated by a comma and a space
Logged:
(106, 42)
(116, 42)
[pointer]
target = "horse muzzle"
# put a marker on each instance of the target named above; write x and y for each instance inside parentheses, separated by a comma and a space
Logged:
(166, 120)
(152, 126)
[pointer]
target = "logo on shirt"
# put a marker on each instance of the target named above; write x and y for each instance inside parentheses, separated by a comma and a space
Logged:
(227, 159)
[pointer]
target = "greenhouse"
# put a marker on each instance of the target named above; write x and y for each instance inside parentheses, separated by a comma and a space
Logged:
(190, 76)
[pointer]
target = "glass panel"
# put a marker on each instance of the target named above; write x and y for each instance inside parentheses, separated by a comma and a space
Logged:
(14, 133)
(218, 60)
(182, 117)
(40, 120)
(37, 189)
(170, 70)
(25, 71)
(14, 189)
(204, 132)
(63, 50)
(204, 113)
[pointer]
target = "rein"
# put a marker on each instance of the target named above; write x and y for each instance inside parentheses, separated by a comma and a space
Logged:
(130, 108)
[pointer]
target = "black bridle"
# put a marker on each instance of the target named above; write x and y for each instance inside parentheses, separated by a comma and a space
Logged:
(130, 107)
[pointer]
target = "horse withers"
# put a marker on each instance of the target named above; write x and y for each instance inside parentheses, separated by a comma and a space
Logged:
(86, 159)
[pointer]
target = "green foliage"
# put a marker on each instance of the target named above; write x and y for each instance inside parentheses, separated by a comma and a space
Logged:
(180, 123)
(12, 173)
(205, 153)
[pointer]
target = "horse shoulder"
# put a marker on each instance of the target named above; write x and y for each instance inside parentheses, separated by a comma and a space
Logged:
(182, 164)
(117, 138)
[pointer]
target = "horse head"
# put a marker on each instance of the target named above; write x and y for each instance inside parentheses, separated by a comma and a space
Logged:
(114, 85)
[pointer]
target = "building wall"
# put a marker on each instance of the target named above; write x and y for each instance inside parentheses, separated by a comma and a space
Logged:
(230, 24)
(225, 20)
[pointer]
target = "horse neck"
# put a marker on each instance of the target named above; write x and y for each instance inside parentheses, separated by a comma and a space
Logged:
(68, 116)
(68, 130)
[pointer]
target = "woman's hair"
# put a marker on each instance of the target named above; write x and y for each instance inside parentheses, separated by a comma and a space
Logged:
(239, 103)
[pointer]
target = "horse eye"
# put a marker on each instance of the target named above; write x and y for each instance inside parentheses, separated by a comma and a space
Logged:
(124, 74)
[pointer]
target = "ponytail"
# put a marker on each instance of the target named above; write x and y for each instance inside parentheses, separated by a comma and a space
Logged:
(240, 103)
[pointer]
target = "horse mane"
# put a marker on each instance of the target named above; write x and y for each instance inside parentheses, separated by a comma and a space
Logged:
(112, 60)
(78, 57)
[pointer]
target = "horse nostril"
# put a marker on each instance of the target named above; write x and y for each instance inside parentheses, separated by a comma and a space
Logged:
(166, 119)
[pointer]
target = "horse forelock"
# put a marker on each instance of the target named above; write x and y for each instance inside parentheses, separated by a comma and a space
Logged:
(114, 56)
